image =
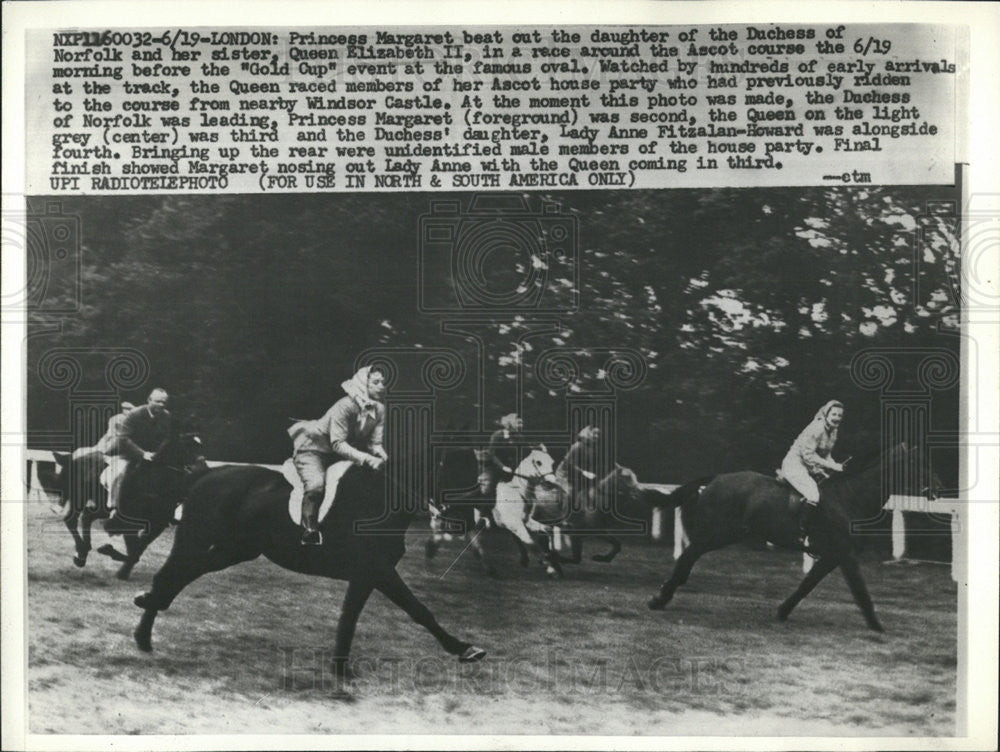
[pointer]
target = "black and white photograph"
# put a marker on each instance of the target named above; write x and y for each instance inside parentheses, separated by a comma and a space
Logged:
(477, 457)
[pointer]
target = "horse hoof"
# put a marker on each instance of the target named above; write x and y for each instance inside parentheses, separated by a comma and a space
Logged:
(553, 573)
(343, 671)
(80, 561)
(525, 562)
(604, 558)
(656, 604)
(782, 615)
(877, 627)
(123, 573)
(142, 641)
(472, 654)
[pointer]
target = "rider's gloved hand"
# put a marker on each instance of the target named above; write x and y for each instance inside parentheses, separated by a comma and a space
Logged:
(375, 463)
(148, 456)
(508, 470)
(837, 467)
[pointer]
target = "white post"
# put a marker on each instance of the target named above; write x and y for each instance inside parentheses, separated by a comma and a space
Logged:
(557, 541)
(898, 534)
(959, 552)
(656, 524)
(680, 537)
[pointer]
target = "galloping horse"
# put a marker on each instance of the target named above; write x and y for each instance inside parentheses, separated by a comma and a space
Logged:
(236, 513)
(734, 506)
(462, 508)
(150, 495)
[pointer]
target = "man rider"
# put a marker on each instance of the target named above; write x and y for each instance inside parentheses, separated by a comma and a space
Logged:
(142, 432)
(499, 458)
(350, 432)
(105, 443)
(577, 471)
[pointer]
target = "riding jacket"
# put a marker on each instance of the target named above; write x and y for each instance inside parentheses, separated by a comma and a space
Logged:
(140, 432)
(813, 446)
(346, 431)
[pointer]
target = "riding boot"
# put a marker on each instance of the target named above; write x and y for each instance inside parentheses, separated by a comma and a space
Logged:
(311, 536)
(806, 519)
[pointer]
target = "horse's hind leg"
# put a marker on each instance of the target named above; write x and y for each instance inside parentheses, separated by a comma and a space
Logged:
(354, 601)
(852, 574)
(612, 553)
(679, 576)
(80, 558)
(820, 569)
(392, 586)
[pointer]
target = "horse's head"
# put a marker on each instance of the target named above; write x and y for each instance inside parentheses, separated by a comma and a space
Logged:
(182, 451)
(537, 466)
(624, 480)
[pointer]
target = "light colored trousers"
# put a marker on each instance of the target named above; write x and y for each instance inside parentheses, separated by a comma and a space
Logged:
(798, 476)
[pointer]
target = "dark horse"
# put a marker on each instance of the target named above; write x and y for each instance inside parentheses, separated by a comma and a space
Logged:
(737, 506)
(462, 509)
(150, 495)
(236, 513)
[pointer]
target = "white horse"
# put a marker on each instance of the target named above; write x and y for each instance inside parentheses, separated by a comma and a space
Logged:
(517, 502)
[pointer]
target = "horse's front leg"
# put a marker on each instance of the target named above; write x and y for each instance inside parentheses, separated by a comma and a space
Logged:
(355, 599)
(550, 558)
(390, 584)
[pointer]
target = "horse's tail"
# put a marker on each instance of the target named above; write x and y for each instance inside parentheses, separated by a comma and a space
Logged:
(680, 496)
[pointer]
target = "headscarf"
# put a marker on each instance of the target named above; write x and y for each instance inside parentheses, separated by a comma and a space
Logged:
(357, 389)
(821, 417)
(825, 410)
(127, 406)
(509, 421)
(587, 433)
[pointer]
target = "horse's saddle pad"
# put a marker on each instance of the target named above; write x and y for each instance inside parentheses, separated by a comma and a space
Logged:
(333, 475)
(795, 499)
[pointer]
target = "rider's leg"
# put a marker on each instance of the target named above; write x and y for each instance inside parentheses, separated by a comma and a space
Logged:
(312, 471)
(798, 476)
(117, 467)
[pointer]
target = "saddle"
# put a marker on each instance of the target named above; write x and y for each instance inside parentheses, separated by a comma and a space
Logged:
(333, 475)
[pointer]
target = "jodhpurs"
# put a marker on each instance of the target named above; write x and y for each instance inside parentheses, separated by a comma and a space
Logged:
(798, 476)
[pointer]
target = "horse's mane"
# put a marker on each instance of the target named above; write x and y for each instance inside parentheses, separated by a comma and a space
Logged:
(847, 489)
(860, 463)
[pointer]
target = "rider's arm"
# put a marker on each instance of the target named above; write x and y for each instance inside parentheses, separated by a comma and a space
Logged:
(340, 422)
(123, 445)
(377, 435)
(808, 443)
(491, 450)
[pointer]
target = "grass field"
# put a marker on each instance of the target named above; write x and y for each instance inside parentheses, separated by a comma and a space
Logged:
(247, 650)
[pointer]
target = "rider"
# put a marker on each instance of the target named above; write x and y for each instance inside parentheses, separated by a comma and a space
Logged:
(577, 471)
(104, 444)
(500, 457)
(350, 431)
(141, 433)
(809, 459)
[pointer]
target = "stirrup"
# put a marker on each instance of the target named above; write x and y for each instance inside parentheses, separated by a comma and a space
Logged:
(312, 538)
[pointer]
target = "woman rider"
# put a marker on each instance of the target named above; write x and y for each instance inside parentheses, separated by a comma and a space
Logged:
(809, 459)
(350, 432)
